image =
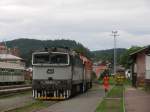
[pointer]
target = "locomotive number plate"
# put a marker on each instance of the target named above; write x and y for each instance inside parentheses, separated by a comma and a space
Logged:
(50, 71)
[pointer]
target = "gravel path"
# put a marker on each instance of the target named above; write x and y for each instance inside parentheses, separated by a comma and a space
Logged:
(86, 102)
(16, 101)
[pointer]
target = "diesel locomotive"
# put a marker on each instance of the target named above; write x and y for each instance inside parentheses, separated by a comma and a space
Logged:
(60, 73)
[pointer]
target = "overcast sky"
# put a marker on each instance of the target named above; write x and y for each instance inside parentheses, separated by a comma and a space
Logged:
(89, 22)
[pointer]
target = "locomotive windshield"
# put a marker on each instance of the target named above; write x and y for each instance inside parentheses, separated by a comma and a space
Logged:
(41, 58)
(50, 58)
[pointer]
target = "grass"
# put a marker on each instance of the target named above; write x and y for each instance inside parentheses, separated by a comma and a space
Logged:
(111, 81)
(113, 102)
(128, 82)
(110, 105)
(116, 92)
(147, 89)
(10, 95)
(37, 105)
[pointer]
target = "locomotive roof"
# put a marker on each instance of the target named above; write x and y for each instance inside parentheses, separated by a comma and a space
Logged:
(54, 49)
(63, 50)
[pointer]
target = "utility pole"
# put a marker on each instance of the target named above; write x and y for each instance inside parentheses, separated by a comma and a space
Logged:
(114, 34)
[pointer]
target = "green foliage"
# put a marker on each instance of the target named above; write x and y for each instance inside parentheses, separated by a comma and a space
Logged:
(125, 59)
(128, 82)
(147, 88)
(27, 46)
(116, 92)
(107, 55)
(102, 74)
(119, 79)
(111, 80)
(111, 105)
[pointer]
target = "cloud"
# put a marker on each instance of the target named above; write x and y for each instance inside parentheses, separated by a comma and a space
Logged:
(87, 21)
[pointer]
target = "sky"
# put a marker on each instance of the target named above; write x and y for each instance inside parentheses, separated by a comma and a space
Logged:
(89, 22)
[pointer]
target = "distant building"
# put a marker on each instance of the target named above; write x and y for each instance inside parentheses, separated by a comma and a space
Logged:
(15, 51)
(99, 68)
(12, 67)
(4, 50)
(10, 55)
(141, 67)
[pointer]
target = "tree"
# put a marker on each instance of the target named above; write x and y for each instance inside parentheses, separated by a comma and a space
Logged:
(125, 59)
(27, 46)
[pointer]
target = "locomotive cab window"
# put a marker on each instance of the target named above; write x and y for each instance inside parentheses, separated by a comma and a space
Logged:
(53, 58)
(41, 58)
(56, 58)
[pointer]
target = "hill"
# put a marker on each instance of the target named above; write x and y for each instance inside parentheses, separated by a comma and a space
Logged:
(27, 46)
(108, 54)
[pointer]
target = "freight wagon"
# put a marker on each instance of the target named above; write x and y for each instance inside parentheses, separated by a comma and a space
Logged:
(60, 73)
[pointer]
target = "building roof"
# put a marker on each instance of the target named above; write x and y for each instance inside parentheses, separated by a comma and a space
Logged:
(140, 50)
(100, 68)
(9, 57)
(11, 65)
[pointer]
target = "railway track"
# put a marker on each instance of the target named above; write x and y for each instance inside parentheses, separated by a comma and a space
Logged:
(4, 90)
(14, 86)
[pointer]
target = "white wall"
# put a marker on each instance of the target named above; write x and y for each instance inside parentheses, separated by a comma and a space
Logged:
(147, 67)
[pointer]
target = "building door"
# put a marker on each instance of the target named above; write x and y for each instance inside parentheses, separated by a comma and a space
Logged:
(134, 75)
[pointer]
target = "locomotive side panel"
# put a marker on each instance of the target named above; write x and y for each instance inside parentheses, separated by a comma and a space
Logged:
(78, 71)
(87, 71)
(77, 75)
(88, 75)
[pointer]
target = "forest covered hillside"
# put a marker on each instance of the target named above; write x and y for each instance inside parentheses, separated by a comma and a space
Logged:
(27, 46)
(108, 54)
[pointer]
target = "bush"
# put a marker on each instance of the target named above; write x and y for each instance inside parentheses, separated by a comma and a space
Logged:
(147, 88)
(103, 74)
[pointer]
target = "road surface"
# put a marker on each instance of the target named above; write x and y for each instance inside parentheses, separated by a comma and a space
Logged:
(86, 102)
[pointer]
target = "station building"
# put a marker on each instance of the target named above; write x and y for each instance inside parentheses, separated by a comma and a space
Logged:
(12, 67)
(141, 67)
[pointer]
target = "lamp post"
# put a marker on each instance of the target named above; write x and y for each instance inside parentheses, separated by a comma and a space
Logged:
(114, 34)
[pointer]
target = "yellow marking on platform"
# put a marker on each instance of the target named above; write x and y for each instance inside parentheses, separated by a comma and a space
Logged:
(50, 98)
